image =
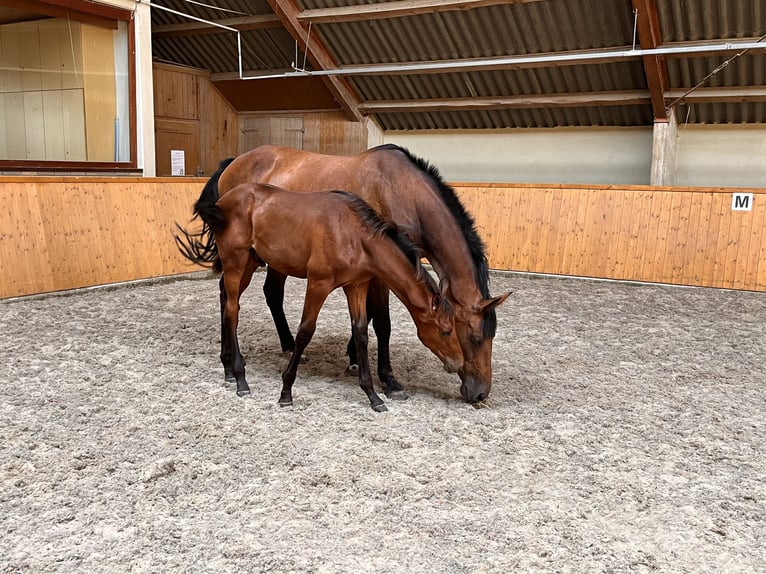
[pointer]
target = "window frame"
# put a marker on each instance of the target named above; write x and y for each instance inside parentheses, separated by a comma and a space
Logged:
(89, 13)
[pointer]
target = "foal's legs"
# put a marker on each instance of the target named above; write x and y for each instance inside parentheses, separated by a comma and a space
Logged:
(378, 311)
(316, 294)
(226, 340)
(357, 306)
(274, 290)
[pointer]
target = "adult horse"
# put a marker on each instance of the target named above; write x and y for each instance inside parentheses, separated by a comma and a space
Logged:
(342, 243)
(409, 192)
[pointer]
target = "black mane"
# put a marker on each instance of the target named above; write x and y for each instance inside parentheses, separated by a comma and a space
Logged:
(467, 226)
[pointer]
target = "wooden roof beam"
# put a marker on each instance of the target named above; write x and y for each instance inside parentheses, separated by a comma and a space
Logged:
(396, 9)
(649, 36)
(241, 23)
(320, 57)
(568, 100)
(580, 99)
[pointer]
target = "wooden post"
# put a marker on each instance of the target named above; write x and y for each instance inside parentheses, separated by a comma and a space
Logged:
(665, 140)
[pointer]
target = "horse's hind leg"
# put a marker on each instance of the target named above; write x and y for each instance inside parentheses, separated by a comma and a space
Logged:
(274, 291)
(316, 294)
(357, 307)
(226, 341)
(238, 270)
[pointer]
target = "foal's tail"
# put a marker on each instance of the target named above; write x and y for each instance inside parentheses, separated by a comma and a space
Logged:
(199, 247)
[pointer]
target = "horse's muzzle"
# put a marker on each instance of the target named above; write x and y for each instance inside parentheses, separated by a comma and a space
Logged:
(472, 391)
(452, 365)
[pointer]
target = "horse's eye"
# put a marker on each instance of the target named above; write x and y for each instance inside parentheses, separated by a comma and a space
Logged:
(446, 333)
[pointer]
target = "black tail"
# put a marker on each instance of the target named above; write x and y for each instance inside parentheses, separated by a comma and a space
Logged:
(199, 247)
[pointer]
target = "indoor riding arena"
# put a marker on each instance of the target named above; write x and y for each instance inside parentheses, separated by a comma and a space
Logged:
(601, 160)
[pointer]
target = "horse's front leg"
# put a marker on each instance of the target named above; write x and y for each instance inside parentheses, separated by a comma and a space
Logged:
(316, 294)
(378, 310)
(274, 291)
(357, 306)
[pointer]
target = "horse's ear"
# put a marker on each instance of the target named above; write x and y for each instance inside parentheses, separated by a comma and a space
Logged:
(444, 286)
(489, 304)
(436, 302)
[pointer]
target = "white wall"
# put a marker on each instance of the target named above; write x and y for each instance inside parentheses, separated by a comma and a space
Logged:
(721, 156)
(561, 155)
(708, 156)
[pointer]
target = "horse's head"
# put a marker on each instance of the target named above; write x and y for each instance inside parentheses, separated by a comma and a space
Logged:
(437, 332)
(475, 327)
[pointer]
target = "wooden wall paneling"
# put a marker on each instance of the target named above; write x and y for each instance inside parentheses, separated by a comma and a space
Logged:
(722, 242)
(575, 229)
(29, 57)
(760, 282)
(757, 236)
(15, 126)
(10, 58)
(547, 233)
(50, 54)
(73, 102)
(744, 248)
(3, 126)
(100, 91)
(176, 92)
(701, 248)
(34, 125)
(53, 122)
(593, 236)
(712, 265)
(675, 240)
(617, 249)
(22, 241)
(655, 253)
(70, 53)
(219, 128)
(60, 233)
(332, 133)
(688, 256)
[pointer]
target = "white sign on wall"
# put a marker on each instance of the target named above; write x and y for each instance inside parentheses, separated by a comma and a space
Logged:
(741, 201)
(177, 162)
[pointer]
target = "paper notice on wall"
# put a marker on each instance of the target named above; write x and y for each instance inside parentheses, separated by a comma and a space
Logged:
(177, 162)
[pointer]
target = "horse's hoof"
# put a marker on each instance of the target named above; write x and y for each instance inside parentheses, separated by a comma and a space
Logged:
(243, 394)
(285, 404)
(230, 379)
(352, 370)
(381, 408)
(397, 395)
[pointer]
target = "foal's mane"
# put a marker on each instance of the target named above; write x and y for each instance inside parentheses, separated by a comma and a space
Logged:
(378, 228)
(467, 227)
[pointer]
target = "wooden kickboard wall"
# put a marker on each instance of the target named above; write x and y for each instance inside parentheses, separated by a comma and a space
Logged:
(65, 233)
(60, 233)
(684, 236)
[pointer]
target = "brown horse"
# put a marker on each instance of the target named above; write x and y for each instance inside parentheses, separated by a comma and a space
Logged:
(342, 243)
(402, 189)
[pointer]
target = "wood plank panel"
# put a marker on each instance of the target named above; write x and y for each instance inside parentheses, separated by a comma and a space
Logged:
(66, 232)
(686, 236)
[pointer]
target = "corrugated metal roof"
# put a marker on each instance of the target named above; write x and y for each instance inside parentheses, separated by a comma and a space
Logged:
(528, 28)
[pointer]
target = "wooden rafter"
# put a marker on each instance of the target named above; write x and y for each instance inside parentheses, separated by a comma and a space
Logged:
(570, 100)
(396, 9)
(621, 98)
(241, 23)
(654, 66)
(287, 12)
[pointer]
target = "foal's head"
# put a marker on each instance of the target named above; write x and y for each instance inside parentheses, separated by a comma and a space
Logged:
(436, 329)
